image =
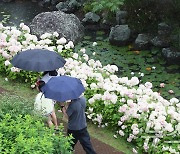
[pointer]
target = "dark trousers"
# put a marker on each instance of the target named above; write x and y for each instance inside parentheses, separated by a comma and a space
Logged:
(83, 137)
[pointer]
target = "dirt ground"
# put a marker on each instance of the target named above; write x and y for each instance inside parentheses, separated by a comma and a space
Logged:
(100, 148)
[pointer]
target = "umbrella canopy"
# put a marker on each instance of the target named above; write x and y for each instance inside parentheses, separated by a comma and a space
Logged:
(38, 60)
(63, 88)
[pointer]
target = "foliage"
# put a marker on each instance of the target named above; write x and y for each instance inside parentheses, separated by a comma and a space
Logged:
(144, 15)
(15, 105)
(104, 6)
(176, 41)
(172, 12)
(24, 134)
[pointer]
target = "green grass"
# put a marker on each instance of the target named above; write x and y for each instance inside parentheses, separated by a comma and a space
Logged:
(15, 87)
(106, 136)
(24, 92)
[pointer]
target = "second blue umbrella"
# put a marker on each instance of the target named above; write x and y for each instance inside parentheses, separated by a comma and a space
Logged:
(63, 88)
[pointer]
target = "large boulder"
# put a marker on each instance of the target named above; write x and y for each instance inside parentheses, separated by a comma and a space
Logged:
(120, 35)
(67, 25)
(163, 38)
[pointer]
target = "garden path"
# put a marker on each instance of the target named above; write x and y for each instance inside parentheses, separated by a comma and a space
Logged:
(100, 147)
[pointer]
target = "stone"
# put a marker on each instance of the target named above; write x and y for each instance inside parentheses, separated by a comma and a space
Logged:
(142, 42)
(171, 56)
(54, 2)
(68, 6)
(121, 17)
(160, 42)
(45, 3)
(119, 35)
(91, 18)
(164, 30)
(67, 25)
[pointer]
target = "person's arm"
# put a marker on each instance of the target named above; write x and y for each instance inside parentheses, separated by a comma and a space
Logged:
(64, 111)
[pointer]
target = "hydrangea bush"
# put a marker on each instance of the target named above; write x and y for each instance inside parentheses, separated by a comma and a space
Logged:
(14, 40)
(126, 106)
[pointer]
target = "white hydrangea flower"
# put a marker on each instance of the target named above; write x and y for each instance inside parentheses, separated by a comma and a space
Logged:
(26, 28)
(33, 86)
(174, 100)
(7, 63)
(83, 50)
(93, 86)
(94, 44)
(148, 85)
(134, 150)
(67, 46)
(55, 34)
(71, 44)
(75, 55)
(61, 41)
(121, 133)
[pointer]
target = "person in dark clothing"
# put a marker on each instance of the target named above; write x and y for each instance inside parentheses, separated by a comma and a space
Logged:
(77, 125)
(47, 75)
(51, 73)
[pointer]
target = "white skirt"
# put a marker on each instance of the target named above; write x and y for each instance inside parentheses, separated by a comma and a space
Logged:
(43, 105)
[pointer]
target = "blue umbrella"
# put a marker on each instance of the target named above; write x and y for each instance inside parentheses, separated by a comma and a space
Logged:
(63, 88)
(38, 60)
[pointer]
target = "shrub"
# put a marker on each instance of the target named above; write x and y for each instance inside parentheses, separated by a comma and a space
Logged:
(30, 136)
(103, 6)
(144, 15)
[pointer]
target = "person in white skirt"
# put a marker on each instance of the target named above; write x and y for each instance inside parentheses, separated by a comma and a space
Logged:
(45, 106)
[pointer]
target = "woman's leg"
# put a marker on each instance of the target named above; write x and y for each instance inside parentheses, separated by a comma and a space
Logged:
(54, 119)
(49, 121)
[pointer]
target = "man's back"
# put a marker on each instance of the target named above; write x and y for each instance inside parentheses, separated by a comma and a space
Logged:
(76, 114)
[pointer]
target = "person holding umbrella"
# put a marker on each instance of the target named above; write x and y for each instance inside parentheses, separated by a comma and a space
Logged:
(48, 74)
(45, 106)
(70, 89)
(77, 126)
